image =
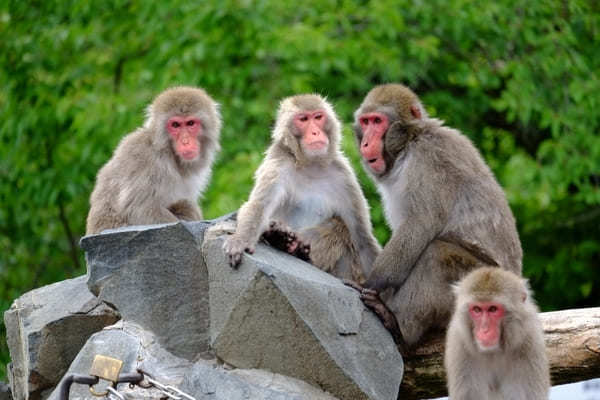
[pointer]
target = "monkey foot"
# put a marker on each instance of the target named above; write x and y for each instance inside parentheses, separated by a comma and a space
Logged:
(234, 248)
(371, 299)
(284, 239)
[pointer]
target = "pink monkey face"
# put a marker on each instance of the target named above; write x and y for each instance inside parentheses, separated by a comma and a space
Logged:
(185, 131)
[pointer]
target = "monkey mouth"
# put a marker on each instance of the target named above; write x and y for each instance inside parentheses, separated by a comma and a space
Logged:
(189, 155)
(377, 165)
(318, 145)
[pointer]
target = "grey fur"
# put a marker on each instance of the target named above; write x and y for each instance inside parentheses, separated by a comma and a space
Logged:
(145, 182)
(318, 197)
(447, 212)
(518, 369)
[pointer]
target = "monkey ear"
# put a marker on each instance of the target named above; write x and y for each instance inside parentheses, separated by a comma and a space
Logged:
(523, 297)
(415, 111)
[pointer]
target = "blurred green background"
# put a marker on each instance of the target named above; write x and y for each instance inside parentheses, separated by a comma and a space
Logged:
(519, 77)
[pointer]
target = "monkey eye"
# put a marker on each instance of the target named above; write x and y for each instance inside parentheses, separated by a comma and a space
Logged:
(476, 309)
(190, 122)
(377, 120)
(364, 121)
(493, 309)
(318, 116)
(303, 118)
(175, 124)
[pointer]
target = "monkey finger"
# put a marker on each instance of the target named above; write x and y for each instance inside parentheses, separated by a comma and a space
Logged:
(354, 285)
(235, 259)
(249, 250)
(304, 251)
(370, 292)
(292, 247)
(369, 297)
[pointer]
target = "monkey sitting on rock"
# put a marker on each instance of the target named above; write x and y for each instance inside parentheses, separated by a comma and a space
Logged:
(307, 186)
(447, 212)
(158, 171)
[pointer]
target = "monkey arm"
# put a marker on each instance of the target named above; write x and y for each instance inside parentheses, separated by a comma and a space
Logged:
(424, 214)
(266, 196)
(397, 259)
(253, 216)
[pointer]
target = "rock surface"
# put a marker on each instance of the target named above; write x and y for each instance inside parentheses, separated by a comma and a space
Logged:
(45, 330)
(155, 276)
(279, 327)
(278, 313)
(202, 380)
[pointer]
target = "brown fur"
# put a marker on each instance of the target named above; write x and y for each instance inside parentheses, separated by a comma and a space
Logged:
(145, 181)
(318, 197)
(446, 210)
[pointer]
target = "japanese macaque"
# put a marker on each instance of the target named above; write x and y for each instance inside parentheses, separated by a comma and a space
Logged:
(447, 213)
(158, 171)
(495, 343)
(306, 185)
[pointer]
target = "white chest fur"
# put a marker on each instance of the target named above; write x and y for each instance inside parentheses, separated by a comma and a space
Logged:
(313, 196)
(391, 189)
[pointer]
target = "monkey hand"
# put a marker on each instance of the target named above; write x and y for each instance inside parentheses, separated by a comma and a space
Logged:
(282, 238)
(235, 247)
(371, 300)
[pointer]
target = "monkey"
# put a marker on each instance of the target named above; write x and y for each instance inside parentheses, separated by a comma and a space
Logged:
(447, 213)
(307, 184)
(495, 342)
(158, 171)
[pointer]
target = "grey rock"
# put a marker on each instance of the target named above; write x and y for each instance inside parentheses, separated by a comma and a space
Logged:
(155, 276)
(203, 380)
(5, 392)
(46, 328)
(280, 314)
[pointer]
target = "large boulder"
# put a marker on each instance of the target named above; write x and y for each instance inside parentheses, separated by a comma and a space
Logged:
(280, 328)
(203, 379)
(278, 313)
(45, 330)
(155, 276)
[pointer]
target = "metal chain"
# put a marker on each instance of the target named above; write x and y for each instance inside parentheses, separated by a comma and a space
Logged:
(139, 378)
(113, 392)
(170, 391)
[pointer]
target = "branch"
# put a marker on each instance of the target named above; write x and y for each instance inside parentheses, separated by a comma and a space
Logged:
(572, 344)
(62, 215)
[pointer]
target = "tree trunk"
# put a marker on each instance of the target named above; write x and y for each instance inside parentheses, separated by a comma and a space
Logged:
(572, 344)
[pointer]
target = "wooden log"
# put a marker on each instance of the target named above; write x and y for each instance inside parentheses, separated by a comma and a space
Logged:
(572, 343)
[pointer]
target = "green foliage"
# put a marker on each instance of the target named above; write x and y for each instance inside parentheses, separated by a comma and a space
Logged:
(519, 77)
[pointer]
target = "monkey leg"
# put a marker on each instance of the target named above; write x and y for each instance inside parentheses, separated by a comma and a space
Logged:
(282, 238)
(425, 301)
(332, 251)
(185, 210)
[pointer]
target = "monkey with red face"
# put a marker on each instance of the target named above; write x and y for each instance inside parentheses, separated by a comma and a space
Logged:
(307, 185)
(447, 212)
(158, 171)
(495, 343)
